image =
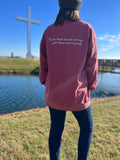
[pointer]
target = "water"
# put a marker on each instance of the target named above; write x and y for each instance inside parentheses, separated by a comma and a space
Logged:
(117, 70)
(108, 85)
(21, 92)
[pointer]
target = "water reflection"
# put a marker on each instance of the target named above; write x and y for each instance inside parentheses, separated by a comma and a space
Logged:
(108, 84)
(20, 92)
(25, 92)
(117, 70)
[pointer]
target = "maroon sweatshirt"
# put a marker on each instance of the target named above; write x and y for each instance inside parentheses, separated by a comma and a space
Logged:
(68, 65)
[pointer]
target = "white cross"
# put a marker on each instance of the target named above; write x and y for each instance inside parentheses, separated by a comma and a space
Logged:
(29, 21)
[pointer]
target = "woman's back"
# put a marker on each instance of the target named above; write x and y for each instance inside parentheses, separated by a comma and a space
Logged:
(67, 49)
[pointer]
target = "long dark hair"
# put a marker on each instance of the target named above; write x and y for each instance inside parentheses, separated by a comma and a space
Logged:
(66, 14)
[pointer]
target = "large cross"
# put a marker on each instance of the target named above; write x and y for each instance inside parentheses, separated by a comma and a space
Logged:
(29, 21)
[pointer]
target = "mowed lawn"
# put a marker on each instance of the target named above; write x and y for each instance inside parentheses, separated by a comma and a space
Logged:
(18, 64)
(24, 65)
(24, 135)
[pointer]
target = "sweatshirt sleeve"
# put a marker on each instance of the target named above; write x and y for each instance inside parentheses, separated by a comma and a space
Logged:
(91, 65)
(43, 60)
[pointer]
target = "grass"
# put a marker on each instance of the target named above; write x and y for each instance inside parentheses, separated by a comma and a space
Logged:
(26, 66)
(19, 65)
(24, 135)
(105, 69)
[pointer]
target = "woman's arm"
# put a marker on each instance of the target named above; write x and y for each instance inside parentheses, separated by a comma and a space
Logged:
(91, 65)
(43, 61)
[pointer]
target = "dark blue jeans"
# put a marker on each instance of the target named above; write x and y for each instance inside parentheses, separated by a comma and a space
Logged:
(85, 121)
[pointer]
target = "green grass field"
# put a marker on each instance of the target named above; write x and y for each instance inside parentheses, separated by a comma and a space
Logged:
(24, 135)
(25, 66)
(105, 69)
(19, 65)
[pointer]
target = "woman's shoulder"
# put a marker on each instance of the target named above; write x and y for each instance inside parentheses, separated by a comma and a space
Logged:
(51, 26)
(86, 24)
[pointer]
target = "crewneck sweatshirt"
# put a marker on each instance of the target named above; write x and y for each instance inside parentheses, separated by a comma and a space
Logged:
(68, 65)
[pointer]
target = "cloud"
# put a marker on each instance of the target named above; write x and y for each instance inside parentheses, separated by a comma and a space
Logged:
(110, 42)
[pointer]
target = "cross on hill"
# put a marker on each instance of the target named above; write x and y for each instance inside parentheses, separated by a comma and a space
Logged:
(29, 21)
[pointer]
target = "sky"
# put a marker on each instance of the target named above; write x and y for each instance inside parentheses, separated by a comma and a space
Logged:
(103, 15)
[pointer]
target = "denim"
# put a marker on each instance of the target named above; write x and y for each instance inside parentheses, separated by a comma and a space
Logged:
(85, 121)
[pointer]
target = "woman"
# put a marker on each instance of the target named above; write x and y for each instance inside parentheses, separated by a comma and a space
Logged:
(69, 71)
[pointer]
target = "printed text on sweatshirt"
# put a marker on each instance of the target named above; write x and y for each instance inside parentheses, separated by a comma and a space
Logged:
(68, 65)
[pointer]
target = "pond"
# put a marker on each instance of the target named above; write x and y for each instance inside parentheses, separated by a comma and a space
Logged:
(23, 92)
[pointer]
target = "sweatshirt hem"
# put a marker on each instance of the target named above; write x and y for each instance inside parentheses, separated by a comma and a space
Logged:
(80, 107)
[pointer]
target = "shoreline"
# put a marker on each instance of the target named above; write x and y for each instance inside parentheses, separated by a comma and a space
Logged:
(31, 72)
(13, 72)
(93, 102)
(19, 66)
(29, 66)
